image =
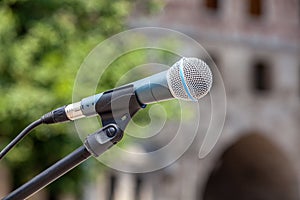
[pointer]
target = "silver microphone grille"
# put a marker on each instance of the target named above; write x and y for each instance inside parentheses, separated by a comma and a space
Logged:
(189, 79)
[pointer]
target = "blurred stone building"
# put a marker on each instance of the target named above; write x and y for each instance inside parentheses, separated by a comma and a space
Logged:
(255, 44)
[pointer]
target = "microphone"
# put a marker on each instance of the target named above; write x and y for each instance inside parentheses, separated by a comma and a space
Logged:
(188, 79)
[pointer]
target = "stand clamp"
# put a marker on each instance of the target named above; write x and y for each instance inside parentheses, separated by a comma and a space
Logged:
(102, 140)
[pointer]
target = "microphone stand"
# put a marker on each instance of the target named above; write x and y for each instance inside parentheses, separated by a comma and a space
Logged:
(114, 122)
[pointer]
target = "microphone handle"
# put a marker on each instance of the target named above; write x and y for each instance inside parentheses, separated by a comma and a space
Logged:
(153, 89)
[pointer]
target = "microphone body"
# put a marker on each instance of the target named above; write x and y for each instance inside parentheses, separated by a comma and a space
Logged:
(148, 90)
(188, 79)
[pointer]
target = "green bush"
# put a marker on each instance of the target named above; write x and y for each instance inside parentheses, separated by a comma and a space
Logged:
(42, 44)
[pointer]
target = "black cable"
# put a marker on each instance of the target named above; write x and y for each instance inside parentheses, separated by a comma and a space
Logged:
(21, 135)
(56, 116)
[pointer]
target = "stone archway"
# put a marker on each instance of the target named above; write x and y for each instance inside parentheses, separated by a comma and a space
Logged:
(253, 168)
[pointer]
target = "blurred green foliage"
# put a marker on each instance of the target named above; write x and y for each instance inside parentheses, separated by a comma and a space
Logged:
(42, 44)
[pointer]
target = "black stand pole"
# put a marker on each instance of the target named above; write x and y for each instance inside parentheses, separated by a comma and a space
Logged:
(95, 144)
(50, 174)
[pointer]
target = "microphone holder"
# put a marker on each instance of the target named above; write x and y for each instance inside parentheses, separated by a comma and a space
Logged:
(114, 116)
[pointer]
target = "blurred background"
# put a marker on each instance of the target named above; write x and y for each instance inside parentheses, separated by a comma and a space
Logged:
(255, 45)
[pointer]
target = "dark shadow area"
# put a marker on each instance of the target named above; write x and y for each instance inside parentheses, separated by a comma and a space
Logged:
(253, 168)
(255, 8)
(262, 77)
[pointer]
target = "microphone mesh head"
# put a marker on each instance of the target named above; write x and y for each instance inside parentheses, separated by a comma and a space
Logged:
(189, 79)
